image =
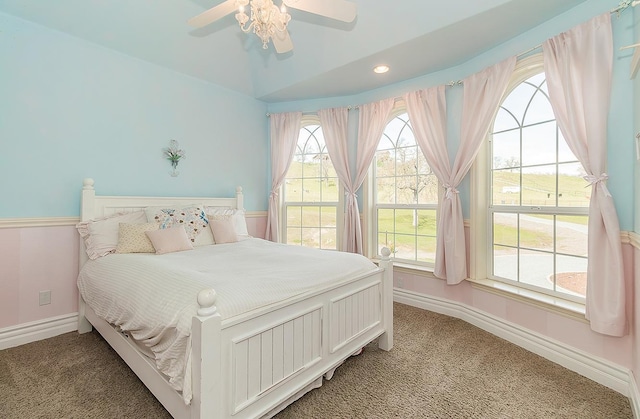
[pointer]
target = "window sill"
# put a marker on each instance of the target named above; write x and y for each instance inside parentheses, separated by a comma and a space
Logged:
(409, 268)
(557, 305)
(567, 308)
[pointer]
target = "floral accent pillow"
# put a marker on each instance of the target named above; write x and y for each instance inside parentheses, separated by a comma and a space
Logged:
(133, 239)
(193, 219)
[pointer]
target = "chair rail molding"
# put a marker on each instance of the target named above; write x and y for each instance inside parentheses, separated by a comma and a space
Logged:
(38, 222)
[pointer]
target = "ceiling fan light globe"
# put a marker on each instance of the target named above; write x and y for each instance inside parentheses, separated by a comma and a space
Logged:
(284, 19)
(242, 19)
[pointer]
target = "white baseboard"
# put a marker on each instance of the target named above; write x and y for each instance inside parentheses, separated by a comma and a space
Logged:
(37, 330)
(611, 375)
(634, 396)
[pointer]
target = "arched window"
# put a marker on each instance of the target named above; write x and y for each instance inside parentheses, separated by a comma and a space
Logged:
(311, 193)
(405, 196)
(537, 197)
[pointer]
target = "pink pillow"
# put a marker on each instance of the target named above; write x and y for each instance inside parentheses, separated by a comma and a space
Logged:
(168, 240)
(223, 230)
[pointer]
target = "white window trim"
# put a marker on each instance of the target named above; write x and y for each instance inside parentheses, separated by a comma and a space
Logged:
(311, 119)
(368, 216)
(479, 235)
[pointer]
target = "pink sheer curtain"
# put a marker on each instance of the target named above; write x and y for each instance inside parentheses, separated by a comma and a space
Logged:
(578, 67)
(373, 119)
(334, 126)
(427, 112)
(285, 129)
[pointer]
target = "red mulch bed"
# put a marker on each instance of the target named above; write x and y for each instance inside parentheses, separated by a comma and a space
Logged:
(572, 281)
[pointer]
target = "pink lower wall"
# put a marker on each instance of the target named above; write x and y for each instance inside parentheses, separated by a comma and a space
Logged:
(34, 259)
(635, 316)
(257, 225)
(561, 328)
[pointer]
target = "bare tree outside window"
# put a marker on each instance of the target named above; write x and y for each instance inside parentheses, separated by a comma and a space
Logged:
(311, 193)
(406, 195)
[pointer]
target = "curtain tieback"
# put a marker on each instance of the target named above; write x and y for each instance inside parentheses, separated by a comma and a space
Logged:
(450, 190)
(273, 195)
(598, 181)
(351, 194)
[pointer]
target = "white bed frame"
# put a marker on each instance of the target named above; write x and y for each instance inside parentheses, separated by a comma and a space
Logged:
(258, 363)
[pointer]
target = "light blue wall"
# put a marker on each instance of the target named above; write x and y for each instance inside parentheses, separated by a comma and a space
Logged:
(71, 109)
(620, 146)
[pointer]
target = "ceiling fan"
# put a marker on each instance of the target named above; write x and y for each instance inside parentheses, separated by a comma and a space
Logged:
(270, 22)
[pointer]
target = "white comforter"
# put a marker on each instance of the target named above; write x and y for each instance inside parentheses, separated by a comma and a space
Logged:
(153, 297)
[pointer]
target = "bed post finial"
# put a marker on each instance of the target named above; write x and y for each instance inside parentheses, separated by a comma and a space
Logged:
(206, 300)
(87, 183)
(239, 198)
(385, 252)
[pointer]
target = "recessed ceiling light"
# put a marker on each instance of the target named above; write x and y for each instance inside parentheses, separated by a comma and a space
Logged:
(381, 69)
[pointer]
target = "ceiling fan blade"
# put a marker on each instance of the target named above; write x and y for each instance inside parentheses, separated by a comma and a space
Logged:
(213, 14)
(342, 10)
(282, 41)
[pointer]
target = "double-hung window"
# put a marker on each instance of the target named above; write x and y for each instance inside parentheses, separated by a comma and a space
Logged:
(404, 196)
(536, 198)
(312, 200)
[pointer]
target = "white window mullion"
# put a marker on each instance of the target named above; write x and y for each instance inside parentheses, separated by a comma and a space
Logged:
(308, 172)
(545, 247)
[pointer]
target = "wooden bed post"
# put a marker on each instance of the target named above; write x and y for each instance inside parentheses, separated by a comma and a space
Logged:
(386, 339)
(87, 208)
(206, 359)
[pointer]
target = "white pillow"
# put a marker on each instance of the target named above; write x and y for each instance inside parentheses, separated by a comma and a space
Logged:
(101, 235)
(237, 217)
(168, 240)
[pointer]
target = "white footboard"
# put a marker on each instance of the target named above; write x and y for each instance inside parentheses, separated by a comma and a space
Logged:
(264, 362)
(255, 366)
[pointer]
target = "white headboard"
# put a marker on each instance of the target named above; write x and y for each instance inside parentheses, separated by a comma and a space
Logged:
(96, 206)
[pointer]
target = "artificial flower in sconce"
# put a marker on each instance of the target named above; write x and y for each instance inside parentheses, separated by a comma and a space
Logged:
(174, 154)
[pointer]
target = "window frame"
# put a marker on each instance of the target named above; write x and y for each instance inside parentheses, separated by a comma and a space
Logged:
(481, 223)
(339, 205)
(370, 219)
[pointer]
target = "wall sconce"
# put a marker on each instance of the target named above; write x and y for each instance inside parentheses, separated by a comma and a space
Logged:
(174, 154)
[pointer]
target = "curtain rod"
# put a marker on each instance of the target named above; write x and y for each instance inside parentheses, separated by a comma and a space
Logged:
(349, 107)
(625, 4)
(622, 6)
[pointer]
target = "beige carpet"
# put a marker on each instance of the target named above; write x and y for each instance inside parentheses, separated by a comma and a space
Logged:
(440, 367)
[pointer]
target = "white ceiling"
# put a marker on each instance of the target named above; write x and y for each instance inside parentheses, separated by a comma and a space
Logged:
(415, 37)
